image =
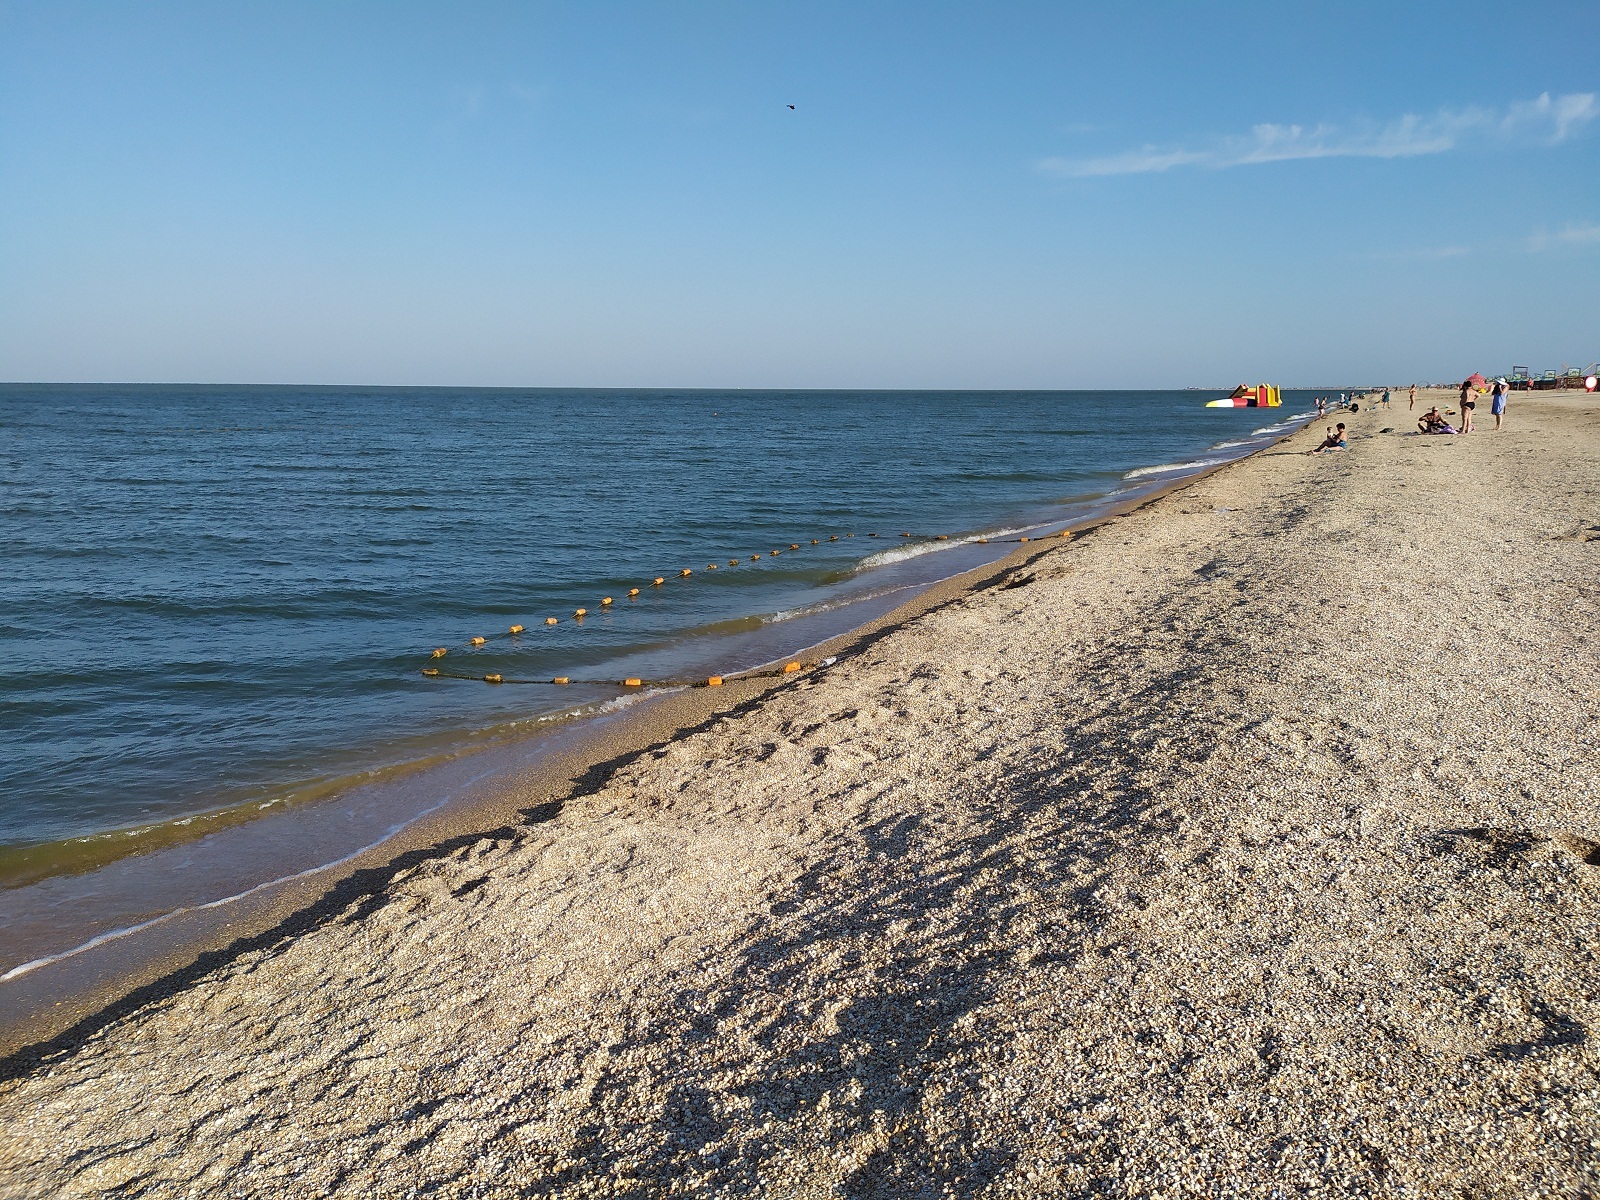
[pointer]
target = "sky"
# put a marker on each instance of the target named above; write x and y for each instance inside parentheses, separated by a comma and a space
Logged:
(973, 195)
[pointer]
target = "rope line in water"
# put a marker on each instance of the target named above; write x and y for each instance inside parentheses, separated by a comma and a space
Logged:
(607, 604)
(632, 684)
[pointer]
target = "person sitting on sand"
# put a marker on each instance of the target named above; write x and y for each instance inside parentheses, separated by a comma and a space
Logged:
(1334, 441)
(1433, 421)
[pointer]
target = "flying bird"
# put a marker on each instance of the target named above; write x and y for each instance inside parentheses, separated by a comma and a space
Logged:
(791, 108)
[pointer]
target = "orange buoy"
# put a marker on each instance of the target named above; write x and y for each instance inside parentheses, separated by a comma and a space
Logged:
(774, 554)
(714, 681)
(905, 535)
(430, 670)
(1023, 539)
(684, 572)
(478, 641)
(790, 668)
(633, 591)
(657, 581)
(942, 537)
(755, 558)
(983, 541)
(814, 542)
(440, 652)
(1066, 533)
(605, 601)
(833, 537)
(493, 679)
(711, 566)
(794, 545)
(733, 562)
(633, 683)
(515, 629)
(549, 620)
(581, 613)
(561, 679)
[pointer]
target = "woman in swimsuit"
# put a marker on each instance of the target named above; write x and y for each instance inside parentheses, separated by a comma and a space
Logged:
(1467, 405)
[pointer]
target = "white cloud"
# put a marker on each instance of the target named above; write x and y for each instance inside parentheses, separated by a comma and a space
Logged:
(1543, 120)
(1585, 234)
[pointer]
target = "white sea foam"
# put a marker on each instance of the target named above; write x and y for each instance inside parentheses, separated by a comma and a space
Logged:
(916, 549)
(112, 935)
(822, 606)
(1198, 464)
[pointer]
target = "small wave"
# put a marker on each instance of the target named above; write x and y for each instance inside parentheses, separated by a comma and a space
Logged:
(916, 549)
(1231, 445)
(1198, 464)
(822, 606)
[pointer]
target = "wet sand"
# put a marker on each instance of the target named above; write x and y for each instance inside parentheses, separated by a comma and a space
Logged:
(1247, 842)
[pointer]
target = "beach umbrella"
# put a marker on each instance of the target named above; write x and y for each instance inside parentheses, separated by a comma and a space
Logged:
(1477, 380)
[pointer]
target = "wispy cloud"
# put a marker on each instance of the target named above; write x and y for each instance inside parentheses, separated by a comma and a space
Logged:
(1547, 120)
(1583, 234)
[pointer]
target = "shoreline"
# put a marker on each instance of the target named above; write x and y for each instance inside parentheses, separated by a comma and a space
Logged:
(1197, 853)
(43, 1010)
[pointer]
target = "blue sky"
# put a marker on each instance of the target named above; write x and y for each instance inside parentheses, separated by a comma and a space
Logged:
(964, 195)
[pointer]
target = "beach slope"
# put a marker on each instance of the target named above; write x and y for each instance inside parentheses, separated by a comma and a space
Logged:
(1247, 844)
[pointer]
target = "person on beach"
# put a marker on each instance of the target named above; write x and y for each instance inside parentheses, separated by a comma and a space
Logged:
(1334, 441)
(1386, 397)
(1413, 401)
(1497, 402)
(1433, 421)
(1322, 407)
(1468, 403)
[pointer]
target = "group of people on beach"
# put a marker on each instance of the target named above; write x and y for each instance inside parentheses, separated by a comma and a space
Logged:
(1433, 421)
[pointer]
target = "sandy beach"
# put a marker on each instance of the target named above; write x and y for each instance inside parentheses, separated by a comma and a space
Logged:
(1247, 844)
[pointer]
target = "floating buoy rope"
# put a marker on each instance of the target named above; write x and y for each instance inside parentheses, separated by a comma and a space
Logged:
(660, 581)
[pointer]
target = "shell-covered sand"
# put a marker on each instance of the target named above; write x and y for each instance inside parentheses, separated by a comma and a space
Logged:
(1244, 845)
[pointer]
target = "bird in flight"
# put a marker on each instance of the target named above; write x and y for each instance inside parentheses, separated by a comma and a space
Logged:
(791, 108)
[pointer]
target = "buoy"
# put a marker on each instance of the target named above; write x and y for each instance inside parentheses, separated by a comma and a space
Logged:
(755, 558)
(983, 541)
(1066, 533)
(516, 629)
(833, 537)
(549, 620)
(657, 581)
(581, 613)
(684, 572)
(493, 679)
(711, 566)
(562, 679)
(794, 545)
(1023, 539)
(905, 535)
(790, 668)
(849, 535)
(814, 542)
(774, 554)
(440, 652)
(633, 683)
(733, 562)
(633, 591)
(872, 535)
(430, 670)
(714, 681)
(478, 641)
(605, 601)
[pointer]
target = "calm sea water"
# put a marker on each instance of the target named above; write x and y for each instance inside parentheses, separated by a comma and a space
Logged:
(215, 598)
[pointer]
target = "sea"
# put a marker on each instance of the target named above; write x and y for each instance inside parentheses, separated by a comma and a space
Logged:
(218, 604)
